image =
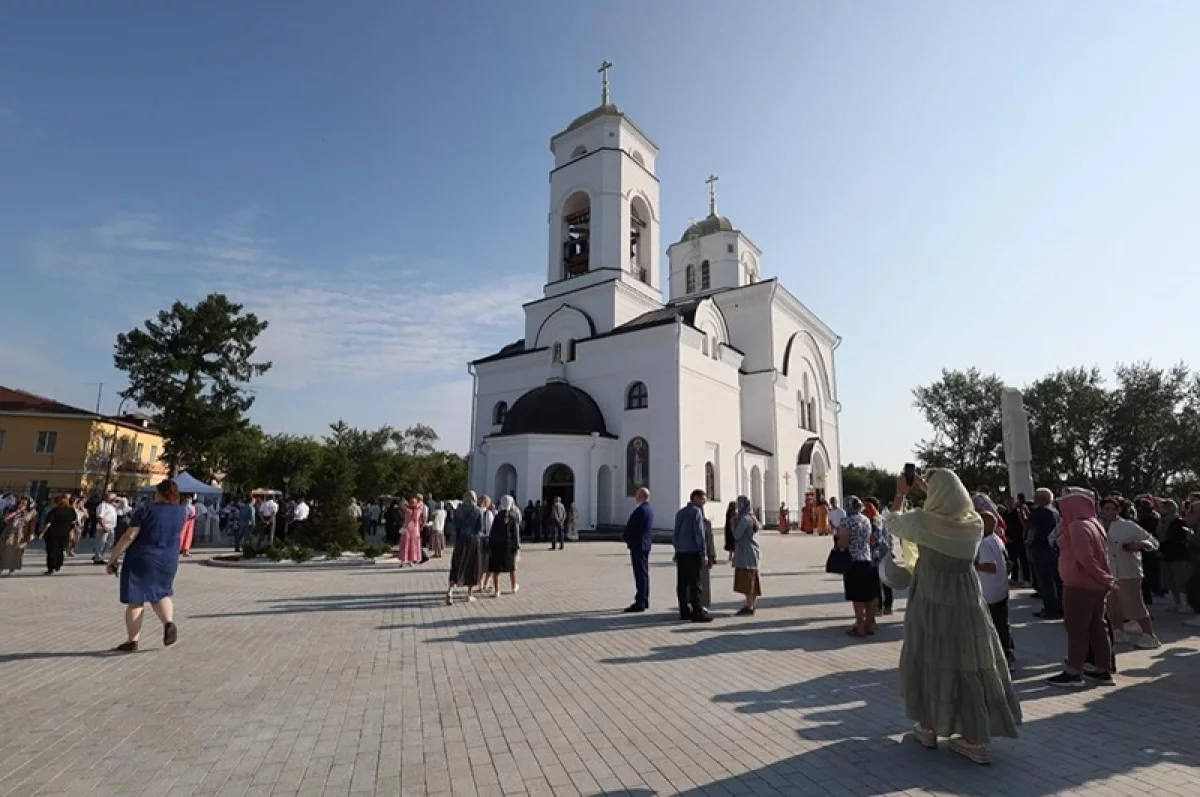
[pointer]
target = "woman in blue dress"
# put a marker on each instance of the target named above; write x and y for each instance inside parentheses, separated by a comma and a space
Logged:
(151, 548)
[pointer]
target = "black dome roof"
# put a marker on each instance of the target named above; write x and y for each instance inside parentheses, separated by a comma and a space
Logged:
(554, 408)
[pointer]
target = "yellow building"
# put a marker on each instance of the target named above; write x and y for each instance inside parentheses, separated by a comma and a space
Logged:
(48, 447)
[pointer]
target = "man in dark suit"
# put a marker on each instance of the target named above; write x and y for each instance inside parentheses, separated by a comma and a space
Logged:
(639, 535)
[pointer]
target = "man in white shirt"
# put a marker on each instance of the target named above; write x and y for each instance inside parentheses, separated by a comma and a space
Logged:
(202, 516)
(837, 515)
(106, 524)
(300, 514)
(991, 563)
(267, 511)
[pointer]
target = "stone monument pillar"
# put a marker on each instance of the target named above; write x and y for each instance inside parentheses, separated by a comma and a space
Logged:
(1017, 451)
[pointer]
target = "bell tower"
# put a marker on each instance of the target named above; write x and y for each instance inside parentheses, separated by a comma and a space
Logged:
(604, 207)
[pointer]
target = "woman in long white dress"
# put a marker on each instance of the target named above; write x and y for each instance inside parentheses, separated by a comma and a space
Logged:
(953, 674)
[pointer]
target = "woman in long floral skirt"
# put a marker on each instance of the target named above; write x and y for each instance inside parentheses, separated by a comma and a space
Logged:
(953, 672)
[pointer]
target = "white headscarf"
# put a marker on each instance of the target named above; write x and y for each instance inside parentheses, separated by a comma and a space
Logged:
(948, 523)
(509, 507)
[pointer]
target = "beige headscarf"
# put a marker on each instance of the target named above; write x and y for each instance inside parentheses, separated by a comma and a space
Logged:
(948, 523)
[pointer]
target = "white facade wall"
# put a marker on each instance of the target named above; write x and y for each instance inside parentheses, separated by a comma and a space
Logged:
(710, 422)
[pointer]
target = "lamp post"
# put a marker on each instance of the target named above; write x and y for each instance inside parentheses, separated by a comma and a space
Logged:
(112, 445)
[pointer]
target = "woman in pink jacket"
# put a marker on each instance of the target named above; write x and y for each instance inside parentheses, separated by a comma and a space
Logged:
(1087, 580)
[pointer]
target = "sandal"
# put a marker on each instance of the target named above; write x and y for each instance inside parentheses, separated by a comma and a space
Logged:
(854, 632)
(126, 647)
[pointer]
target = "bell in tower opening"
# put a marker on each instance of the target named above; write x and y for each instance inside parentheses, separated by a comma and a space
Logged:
(577, 217)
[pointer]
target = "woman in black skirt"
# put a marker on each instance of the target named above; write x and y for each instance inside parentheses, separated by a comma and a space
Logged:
(730, 518)
(861, 581)
(467, 561)
(393, 520)
(504, 544)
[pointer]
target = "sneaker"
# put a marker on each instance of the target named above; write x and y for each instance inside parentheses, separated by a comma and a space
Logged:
(1120, 637)
(975, 752)
(471, 599)
(1148, 642)
(745, 612)
(1066, 681)
(170, 634)
(449, 598)
(1100, 677)
(927, 738)
(634, 608)
(516, 589)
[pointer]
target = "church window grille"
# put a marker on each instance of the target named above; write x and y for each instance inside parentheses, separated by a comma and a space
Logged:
(691, 278)
(637, 397)
(710, 481)
(705, 277)
(729, 248)
(499, 413)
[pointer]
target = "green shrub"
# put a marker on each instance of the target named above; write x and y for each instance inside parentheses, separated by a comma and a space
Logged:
(333, 550)
(374, 550)
(276, 552)
(299, 554)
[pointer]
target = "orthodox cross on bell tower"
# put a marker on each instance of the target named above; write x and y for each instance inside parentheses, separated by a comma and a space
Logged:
(603, 70)
(712, 194)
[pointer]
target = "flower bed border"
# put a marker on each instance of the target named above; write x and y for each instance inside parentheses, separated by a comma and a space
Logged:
(235, 562)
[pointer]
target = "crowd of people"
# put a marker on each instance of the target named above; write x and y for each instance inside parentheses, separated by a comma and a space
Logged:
(1098, 564)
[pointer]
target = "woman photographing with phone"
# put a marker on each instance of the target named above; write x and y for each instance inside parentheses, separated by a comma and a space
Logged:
(151, 548)
(953, 673)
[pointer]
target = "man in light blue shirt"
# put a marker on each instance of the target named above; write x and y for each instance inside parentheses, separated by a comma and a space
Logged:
(691, 556)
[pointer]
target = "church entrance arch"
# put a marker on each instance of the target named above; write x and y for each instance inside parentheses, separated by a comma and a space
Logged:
(506, 482)
(604, 496)
(812, 468)
(558, 481)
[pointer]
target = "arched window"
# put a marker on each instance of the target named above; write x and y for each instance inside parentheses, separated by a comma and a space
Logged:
(801, 411)
(499, 413)
(690, 273)
(812, 415)
(705, 278)
(637, 397)
(576, 220)
(710, 481)
(640, 244)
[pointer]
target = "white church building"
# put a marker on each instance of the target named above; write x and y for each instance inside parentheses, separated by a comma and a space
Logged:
(727, 384)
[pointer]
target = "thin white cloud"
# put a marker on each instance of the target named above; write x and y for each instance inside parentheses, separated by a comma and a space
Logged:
(347, 324)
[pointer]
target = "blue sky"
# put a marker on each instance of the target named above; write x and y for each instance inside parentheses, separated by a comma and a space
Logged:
(1007, 185)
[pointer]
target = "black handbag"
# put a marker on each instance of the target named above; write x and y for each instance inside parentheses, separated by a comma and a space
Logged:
(838, 561)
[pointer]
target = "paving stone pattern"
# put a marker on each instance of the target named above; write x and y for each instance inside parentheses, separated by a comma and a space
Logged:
(360, 681)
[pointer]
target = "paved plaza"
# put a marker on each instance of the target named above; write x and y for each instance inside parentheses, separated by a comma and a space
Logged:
(361, 681)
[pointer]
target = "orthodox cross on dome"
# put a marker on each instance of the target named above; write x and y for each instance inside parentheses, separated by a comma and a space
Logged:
(712, 194)
(603, 70)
